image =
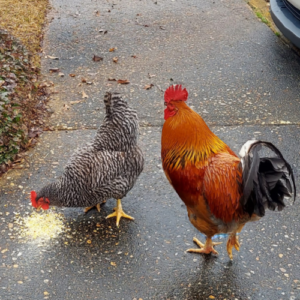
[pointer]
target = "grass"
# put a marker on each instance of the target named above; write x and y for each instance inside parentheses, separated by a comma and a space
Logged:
(24, 19)
(263, 19)
(262, 11)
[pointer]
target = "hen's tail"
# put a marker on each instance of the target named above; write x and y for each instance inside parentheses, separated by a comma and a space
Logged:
(266, 180)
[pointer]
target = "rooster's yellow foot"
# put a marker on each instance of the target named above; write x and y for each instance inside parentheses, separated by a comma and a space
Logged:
(206, 248)
(233, 241)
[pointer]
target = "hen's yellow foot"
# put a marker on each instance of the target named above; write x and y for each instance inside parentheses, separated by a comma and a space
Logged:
(119, 213)
(233, 241)
(206, 248)
(97, 206)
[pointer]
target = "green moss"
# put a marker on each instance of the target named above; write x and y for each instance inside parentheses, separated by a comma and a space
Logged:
(262, 18)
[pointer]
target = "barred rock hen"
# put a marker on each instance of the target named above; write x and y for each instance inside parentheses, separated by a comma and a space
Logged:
(221, 191)
(106, 168)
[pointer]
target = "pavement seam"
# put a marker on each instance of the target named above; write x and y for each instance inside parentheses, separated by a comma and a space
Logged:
(160, 126)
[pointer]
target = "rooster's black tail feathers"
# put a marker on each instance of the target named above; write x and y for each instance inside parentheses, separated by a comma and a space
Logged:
(266, 180)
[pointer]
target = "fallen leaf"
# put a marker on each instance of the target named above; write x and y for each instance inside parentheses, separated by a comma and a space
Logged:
(115, 59)
(97, 58)
(43, 84)
(48, 128)
(61, 74)
(111, 79)
(72, 75)
(282, 270)
(112, 49)
(97, 13)
(83, 80)
(151, 75)
(123, 81)
(146, 25)
(66, 107)
(54, 70)
(113, 263)
(84, 95)
(75, 102)
(148, 86)
(162, 28)
(53, 57)
(134, 56)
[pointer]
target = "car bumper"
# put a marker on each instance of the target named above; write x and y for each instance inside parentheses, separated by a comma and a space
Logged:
(286, 22)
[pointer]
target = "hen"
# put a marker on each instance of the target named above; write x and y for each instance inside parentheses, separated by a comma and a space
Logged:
(221, 191)
(106, 168)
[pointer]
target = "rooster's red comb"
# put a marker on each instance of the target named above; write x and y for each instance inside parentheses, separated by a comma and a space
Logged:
(33, 199)
(176, 93)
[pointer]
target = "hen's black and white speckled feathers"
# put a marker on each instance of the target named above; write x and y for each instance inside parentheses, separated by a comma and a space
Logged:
(106, 168)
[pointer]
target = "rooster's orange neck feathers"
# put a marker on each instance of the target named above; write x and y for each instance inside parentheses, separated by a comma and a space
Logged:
(186, 137)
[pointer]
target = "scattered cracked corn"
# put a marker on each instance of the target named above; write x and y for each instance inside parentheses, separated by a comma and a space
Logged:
(89, 241)
(43, 226)
(113, 264)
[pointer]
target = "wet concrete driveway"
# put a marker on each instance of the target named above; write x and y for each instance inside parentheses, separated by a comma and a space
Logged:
(244, 82)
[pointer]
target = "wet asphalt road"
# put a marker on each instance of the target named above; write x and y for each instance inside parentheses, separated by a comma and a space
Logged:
(245, 83)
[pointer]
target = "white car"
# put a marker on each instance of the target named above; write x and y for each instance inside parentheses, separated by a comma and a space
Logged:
(286, 16)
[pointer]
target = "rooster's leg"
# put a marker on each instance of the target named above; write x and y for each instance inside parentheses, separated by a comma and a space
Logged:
(206, 248)
(233, 241)
(119, 213)
(97, 206)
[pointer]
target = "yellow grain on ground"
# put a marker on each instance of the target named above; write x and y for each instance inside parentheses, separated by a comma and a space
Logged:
(41, 226)
(24, 19)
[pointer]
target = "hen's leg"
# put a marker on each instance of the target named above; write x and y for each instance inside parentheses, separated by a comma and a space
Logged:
(206, 248)
(97, 206)
(119, 213)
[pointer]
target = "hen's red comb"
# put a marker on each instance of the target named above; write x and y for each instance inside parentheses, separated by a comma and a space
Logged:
(176, 93)
(33, 199)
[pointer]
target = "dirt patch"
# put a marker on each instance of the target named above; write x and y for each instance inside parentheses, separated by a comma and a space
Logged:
(262, 11)
(24, 19)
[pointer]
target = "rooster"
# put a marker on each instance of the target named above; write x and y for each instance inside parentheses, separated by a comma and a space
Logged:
(221, 191)
(106, 168)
